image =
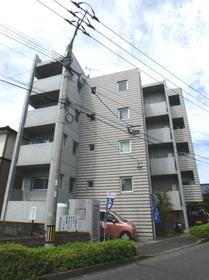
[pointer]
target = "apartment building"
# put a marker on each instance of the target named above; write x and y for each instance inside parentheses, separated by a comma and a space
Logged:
(34, 167)
(118, 137)
(7, 142)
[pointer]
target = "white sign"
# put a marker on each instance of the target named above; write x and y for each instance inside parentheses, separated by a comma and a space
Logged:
(69, 223)
(32, 213)
(111, 195)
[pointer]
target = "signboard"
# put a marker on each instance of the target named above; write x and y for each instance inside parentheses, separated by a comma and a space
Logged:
(109, 203)
(155, 212)
(32, 213)
(69, 223)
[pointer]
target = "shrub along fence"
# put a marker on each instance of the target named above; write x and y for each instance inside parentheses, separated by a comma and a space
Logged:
(201, 231)
(18, 262)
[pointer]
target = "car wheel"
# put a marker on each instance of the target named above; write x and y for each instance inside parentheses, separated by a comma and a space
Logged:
(125, 236)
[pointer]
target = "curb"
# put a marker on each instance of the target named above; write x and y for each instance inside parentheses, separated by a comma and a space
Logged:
(112, 264)
(88, 269)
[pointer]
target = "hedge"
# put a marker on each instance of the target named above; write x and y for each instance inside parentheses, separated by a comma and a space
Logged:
(18, 262)
(200, 231)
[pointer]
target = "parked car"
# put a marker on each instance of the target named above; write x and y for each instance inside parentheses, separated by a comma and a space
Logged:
(116, 227)
(197, 216)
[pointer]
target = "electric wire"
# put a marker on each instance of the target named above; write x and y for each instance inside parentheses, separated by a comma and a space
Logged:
(140, 51)
(17, 51)
(29, 40)
(21, 87)
(129, 53)
(137, 67)
(148, 141)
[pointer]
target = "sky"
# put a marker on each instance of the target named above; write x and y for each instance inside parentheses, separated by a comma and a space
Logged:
(175, 33)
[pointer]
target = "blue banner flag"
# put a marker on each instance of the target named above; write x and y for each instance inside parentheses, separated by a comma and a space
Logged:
(109, 203)
(155, 212)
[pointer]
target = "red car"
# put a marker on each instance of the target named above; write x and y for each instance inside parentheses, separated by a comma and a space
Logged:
(116, 227)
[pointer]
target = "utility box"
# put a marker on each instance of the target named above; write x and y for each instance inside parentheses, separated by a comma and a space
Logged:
(88, 211)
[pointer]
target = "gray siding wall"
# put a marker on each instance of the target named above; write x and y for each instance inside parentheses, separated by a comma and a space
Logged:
(106, 165)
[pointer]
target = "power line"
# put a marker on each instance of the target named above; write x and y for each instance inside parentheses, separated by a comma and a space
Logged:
(137, 67)
(78, 5)
(105, 122)
(17, 51)
(126, 154)
(29, 40)
(89, 25)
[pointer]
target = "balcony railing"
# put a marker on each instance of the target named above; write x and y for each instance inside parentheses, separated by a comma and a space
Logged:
(35, 154)
(159, 135)
(41, 116)
(162, 166)
(155, 109)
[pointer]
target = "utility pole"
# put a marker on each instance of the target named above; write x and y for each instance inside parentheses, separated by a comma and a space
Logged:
(54, 173)
(12, 171)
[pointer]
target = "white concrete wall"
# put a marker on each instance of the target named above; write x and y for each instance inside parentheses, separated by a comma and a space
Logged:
(41, 116)
(46, 84)
(35, 154)
(18, 211)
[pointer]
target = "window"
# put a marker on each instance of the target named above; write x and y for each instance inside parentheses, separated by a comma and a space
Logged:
(123, 113)
(61, 181)
(75, 147)
(92, 117)
(72, 184)
(178, 123)
(126, 184)
(174, 100)
(91, 147)
(90, 183)
(77, 113)
(182, 149)
(93, 90)
(125, 146)
(39, 183)
(122, 85)
(64, 139)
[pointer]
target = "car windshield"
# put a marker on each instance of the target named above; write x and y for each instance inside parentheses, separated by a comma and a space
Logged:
(120, 218)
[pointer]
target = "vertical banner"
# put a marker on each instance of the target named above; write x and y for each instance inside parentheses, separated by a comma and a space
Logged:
(155, 212)
(109, 203)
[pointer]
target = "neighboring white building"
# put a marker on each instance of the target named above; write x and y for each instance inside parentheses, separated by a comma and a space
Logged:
(125, 139)
(7, 142)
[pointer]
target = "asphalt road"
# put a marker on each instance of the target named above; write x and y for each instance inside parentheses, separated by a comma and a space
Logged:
(187, 264)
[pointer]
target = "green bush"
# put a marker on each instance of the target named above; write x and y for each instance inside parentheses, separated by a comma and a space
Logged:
(201, 231)
(18, 262)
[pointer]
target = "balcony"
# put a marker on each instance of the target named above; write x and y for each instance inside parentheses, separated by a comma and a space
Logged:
(177, 111)
(155, 109)
(192, 193)
(47, 84)
(185, 161)
(162, 166)
(156, 136)
(174, 200)
(180, 135)
(41, 116)
(35, 154)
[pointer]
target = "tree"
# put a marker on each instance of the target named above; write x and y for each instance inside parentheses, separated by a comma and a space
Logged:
(164, 208)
